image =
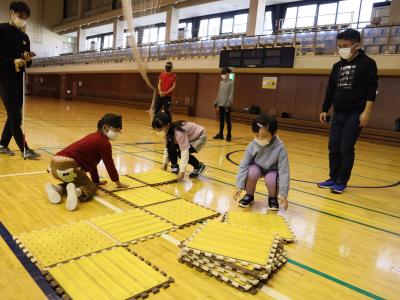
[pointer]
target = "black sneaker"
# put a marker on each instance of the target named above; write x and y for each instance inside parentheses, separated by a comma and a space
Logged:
(273, 203)
(218, 137)
(175, 169)
(197, 172)
(30, 154)
(6, 151)
(246, 201)
(228, 138)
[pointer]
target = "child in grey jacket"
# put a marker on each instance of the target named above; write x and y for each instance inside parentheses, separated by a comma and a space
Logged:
(223, 104)
(266, 157)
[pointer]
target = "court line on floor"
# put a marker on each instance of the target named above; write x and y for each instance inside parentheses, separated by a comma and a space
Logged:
(107, 204)
(288, 141)
(228, 157)
(30, 267)
(294, 203)
(316, 195)
(267, 290)
(336, 280)
(22, 174)
(311, 166)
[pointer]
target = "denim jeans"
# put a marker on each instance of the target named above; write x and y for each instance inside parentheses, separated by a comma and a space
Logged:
(345, 130)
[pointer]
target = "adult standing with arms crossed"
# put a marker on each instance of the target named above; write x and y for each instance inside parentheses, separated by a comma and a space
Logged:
(351, 90)
(15, 56)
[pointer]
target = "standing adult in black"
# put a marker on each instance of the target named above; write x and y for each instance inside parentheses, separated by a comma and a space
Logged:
(352, 90)
(15, 55)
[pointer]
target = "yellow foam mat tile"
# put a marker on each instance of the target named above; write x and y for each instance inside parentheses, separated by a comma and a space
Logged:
(62, 243)
(269, 223)
(112, 187)
(181, 212)
(144, 196)
(114, 274)
(132, 225)
(155, 177)
(232, 242)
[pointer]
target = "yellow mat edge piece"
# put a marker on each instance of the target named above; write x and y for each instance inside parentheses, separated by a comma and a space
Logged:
(138, 175)
(213, 265)
(245, 288)
(108, 191)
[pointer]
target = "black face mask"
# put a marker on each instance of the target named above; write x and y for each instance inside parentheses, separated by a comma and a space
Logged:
(168, 68)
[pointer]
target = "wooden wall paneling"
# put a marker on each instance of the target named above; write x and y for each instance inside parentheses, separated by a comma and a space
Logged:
(249, 91)
(387, 107)
(206, 93)
(286, 94)
(307, 98)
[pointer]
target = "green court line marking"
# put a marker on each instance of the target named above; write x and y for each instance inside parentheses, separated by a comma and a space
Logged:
(336, 280)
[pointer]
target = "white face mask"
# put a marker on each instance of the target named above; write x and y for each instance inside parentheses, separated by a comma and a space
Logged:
(18, 22)
(262, 142)
(112, 135)
(345, 53)
(224, 77)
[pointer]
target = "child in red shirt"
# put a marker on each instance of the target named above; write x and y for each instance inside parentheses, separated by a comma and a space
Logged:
(166, 84)
(71, 164)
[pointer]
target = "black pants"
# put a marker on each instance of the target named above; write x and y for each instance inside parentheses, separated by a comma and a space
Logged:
(11, 93)
(174, 153)
(162, 103)
(345, 130)
(225, 114)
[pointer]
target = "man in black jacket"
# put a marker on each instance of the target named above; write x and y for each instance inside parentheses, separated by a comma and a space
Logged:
(15, 55)
(352, 90)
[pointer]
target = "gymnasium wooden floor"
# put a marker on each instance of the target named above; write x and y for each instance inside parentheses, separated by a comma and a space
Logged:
(348, 246)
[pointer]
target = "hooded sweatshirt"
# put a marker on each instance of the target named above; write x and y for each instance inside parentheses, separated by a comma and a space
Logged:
(271, 157)
(13, 43)
(351, 84)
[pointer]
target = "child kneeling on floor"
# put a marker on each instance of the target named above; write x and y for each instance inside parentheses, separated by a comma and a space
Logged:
(71, 164)
(265, 157)
(182, 138)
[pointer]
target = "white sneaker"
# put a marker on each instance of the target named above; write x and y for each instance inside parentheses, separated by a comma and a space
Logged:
(52, 193)
(72, 197)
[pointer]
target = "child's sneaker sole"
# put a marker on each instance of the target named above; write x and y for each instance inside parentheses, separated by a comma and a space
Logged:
(273, 208)
(72, 197)
(337, 191)
(324, 187)
(246, 205)
(53, 196)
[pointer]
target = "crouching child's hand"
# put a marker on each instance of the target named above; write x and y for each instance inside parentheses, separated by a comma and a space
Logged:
(283, 201)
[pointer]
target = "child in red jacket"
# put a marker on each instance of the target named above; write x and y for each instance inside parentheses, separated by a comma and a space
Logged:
(71, 164)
